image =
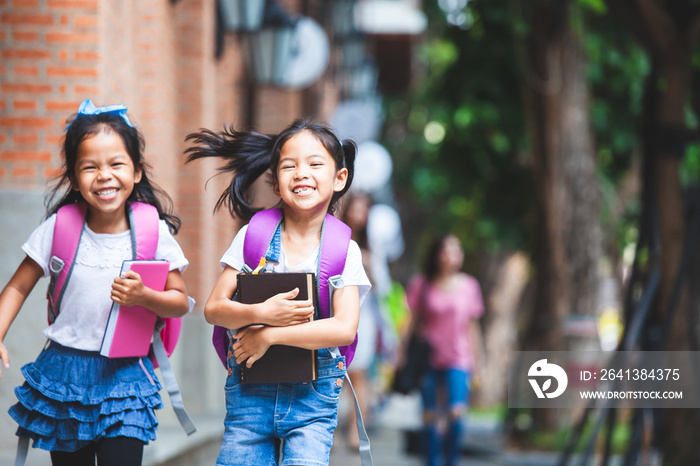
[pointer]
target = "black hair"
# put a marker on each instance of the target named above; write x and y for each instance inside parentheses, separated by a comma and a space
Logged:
(431, 266)
(248, 155)
(85, 126)
(359, 235)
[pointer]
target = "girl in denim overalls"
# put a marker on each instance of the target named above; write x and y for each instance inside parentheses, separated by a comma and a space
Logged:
(288, 424)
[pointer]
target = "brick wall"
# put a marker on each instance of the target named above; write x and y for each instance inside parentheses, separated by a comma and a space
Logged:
(156, 57)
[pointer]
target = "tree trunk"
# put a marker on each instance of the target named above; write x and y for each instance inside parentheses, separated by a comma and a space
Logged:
(570, 241)
(569, 238)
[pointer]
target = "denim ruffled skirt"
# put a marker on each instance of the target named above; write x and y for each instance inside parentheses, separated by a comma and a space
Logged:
(73, 397)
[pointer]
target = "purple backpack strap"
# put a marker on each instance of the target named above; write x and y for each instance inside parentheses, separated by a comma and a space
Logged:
(261, 229)
(335, 241)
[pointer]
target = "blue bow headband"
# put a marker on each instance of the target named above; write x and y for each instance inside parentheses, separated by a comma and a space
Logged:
(88, 108)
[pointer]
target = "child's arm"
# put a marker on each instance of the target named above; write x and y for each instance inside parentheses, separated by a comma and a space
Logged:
(279, 310)
(12, 298)
(339, 330)
(129, 290)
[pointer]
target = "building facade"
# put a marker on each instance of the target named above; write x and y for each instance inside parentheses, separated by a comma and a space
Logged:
(177, 71)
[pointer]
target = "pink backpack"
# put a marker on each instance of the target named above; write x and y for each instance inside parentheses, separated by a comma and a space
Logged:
(70, 220)
(143, 224)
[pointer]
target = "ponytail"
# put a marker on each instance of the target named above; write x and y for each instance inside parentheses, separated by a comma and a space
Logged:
(349, 152)
(247, 156)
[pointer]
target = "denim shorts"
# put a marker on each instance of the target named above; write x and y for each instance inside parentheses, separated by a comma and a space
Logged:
(294, 421)
(455, 383)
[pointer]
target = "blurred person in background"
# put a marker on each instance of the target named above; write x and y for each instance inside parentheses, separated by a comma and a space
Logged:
(445, 304)
(374, 341)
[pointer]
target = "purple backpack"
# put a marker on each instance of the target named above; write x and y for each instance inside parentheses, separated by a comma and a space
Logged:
(335, 240)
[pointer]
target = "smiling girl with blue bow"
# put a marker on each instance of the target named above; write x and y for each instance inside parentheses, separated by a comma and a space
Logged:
(75, 403)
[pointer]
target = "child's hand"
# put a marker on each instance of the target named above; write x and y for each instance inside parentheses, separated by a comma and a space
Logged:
(5, 357)
(251, 345)
(280, 310)
(128, 290)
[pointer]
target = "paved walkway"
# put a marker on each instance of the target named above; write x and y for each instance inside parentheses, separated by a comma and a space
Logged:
(483, 444)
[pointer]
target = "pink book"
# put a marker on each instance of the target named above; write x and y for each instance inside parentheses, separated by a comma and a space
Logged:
(130, 329)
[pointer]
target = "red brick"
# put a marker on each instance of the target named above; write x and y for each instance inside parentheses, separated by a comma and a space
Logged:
(25, 139)
(64, 106)
(3, 70)
(64, 19)
(53, 37)
(51, 173)
(25, 155)
(26, 122)
(26, 71)
(62, 88)
(86, 90)
(82, 55)
(3, 172)
(63, 55)
(3, 106)
(56, 139)
(24, 105)
(26, 53)
(35, 19)
(3, 138)
(24, 36)
(26, 3)
(87, 4)
(24, 171)
(23, 87)
(3, 36)
(86, 21)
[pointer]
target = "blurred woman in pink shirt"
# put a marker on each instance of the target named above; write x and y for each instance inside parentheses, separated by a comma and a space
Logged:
(445, 302)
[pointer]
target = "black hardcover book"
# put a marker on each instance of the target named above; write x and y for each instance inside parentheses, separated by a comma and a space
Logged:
(281, 363)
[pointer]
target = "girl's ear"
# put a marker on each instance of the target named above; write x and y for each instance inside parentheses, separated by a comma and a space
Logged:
(275, 186)
(341, 177)
(138, 173)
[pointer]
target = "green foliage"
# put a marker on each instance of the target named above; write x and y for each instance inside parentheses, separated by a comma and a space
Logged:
(461, 138)
(461, 134)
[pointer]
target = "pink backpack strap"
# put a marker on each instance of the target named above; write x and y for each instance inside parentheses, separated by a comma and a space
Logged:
(67, 232)
(144, 223)
(261, 229)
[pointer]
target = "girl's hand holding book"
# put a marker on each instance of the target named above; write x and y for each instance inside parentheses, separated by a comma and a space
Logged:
(281, 310)
(252, 344)
(128, 290)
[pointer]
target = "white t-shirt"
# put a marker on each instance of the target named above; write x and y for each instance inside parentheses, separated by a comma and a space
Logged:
(353, 273)
(86, 300)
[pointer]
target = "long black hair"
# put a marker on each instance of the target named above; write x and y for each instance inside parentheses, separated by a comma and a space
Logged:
(431, 266)
(85, 126)
(248, 155)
